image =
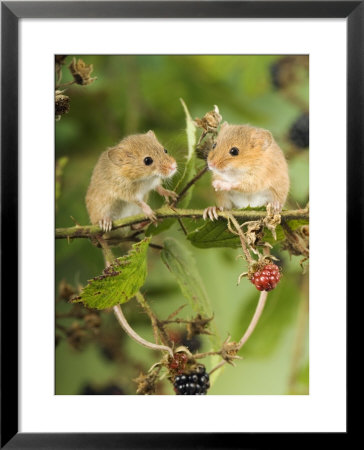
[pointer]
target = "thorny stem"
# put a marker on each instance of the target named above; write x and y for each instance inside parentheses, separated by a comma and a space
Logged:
(128, 330)
(242, 239)
(250, 329)
(166, 212)
(191, 183)
(158, 329)
(203, 355)
(183, 228)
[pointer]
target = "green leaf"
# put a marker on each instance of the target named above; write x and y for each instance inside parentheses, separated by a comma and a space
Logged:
(119, 282)
(213, 234)
(183, 266)
(188, 173)
(60, 165)
(216, 234)
(190, 166)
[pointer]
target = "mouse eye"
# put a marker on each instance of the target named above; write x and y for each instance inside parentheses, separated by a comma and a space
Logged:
(148, 161)
(214, 145)
(234, 151)
(165, 150)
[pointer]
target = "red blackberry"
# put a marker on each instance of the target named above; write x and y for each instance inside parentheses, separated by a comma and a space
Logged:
(299, 132)
(266, 278)
(178, 363)
(193, 383)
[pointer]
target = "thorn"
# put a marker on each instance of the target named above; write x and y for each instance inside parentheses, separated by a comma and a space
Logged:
(75, 221)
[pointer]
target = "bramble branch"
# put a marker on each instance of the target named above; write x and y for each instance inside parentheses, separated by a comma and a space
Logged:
(167, 212)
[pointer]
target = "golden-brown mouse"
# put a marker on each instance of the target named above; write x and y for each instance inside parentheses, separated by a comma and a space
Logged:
(248, 169)
(123, 177)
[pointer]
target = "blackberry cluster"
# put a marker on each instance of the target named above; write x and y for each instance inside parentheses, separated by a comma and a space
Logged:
(299, 132)
(267, 278)
(194, 383)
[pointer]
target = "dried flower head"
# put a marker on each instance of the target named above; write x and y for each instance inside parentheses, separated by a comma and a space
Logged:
(198, 325)
(62, 104)
(65, 290)
(146, 383)
(81, 72)
(229, 351)
(203, 149)
(210, 121)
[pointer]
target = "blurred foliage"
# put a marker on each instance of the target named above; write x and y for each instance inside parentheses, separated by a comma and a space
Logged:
(134, 94)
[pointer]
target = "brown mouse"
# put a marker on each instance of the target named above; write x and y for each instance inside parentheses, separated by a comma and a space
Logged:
(249, 169)
(123, 177)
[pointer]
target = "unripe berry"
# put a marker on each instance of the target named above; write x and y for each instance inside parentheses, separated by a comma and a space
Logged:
(266, 278)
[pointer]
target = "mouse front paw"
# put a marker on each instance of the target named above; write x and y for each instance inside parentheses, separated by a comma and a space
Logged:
(166, 193)
(105, 224)
(220, 185)
(147, 210)
(212, 212)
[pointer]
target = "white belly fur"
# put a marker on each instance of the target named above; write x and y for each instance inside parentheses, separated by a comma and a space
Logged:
(121, 209)
(242, 200)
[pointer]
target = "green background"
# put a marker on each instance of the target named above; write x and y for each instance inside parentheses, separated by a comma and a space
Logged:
(133, 94)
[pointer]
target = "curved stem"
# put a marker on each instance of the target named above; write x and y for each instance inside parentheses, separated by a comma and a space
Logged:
(191, 183)
(128, 330)
(255, 319)
(251, 327)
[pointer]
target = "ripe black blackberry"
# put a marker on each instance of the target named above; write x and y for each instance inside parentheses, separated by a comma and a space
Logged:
(299, 132)
(193, 383)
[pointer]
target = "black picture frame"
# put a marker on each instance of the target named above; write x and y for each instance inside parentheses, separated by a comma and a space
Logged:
(11, 12)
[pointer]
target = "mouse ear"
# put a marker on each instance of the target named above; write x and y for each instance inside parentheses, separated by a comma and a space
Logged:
(261, 138)
(151, 133)
(115, 156)
(224, 124)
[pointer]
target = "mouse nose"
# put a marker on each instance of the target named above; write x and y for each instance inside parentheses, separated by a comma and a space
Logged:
(173, 167)
(211, 165)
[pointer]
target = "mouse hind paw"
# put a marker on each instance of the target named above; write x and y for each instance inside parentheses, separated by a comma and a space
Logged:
(211, 212)
(274, 207)
(105, 224)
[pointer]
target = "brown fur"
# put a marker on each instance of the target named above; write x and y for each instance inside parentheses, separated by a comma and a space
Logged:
(260, 160)
(121, 176)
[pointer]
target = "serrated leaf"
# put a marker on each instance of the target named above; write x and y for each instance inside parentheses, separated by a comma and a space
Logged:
(215, 234)
(119, 282)
(183, 266)
(212, 235)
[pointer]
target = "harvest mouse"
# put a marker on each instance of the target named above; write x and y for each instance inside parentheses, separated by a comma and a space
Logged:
(123, 177)
(249, 169)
